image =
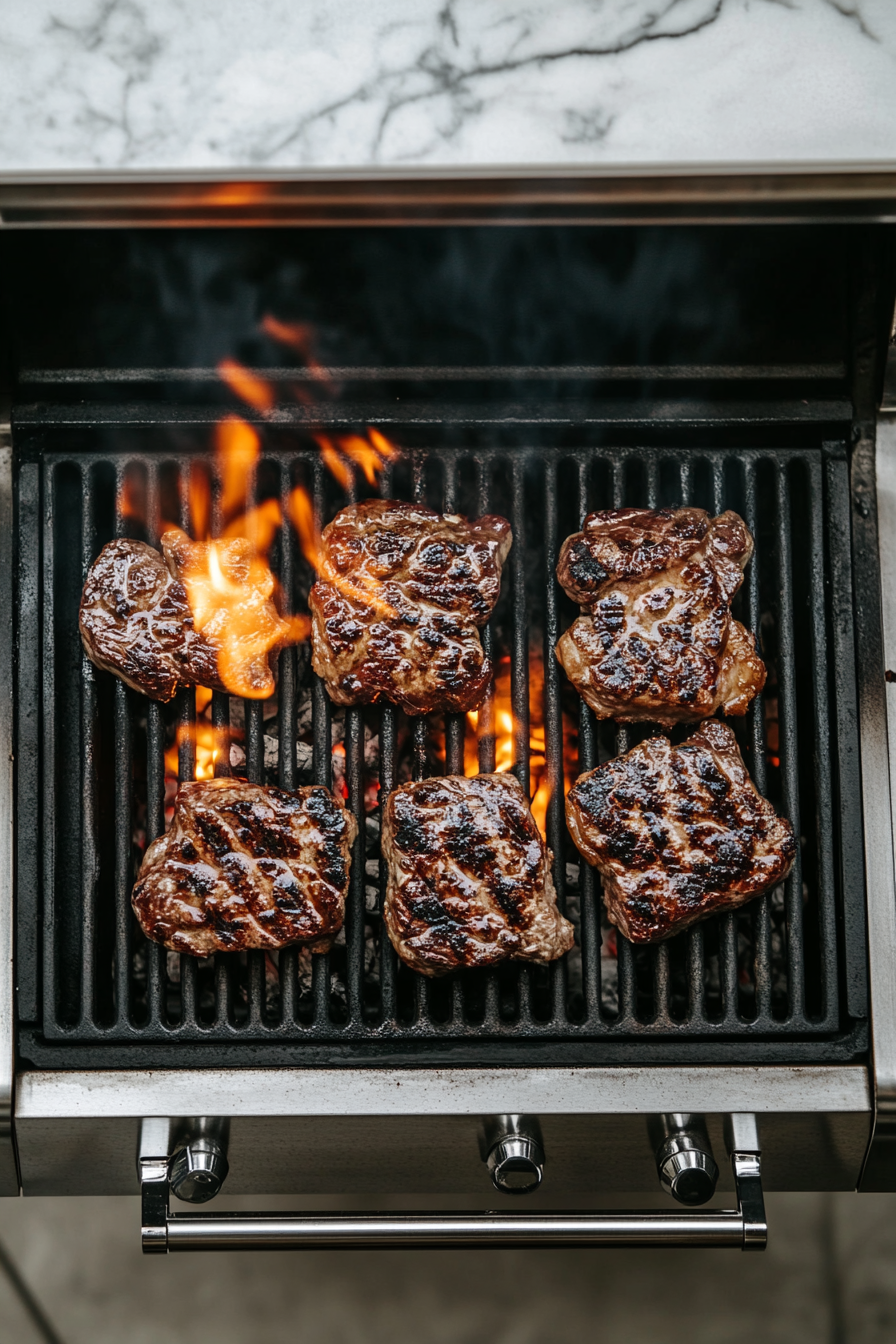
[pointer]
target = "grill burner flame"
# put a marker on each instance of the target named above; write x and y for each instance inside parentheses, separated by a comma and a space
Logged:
(504, 727)
(206, 744)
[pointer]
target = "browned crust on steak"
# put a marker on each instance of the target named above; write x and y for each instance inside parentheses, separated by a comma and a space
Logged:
(136, 622)
(626, 544)
(469, 876)
(656, 640)
(243, 866)
(401, 595)
(678, 833)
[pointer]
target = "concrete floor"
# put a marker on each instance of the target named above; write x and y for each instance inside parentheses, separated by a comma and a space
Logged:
(829, 1277)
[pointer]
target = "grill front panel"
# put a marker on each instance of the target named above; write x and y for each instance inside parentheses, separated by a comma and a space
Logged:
(781, 979)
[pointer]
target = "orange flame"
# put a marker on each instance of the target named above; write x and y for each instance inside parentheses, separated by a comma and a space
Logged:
(370, 454)
(209, 745)
(504, 733)
(237, 449)
(259, 526)
(131, 504)
(336, 464)
(228, 582)
(229, 588)
(301, 512)
(206, 745)
(386, 450)
(247, 385)
(300, 335)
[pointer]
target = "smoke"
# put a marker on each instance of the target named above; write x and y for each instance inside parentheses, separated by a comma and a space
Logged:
(545, 295)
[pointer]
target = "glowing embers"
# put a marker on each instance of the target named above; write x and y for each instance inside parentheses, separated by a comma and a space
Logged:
(209, 745)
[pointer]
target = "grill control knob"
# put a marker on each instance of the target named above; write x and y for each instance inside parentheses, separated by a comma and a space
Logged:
(684, 1160)
(689, 1176)
(197, 1171)
(516, 1164)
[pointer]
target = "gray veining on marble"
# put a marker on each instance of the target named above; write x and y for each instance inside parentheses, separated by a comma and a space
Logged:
(154, 85)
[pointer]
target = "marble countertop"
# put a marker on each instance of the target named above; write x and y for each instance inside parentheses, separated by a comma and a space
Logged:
(291, 87)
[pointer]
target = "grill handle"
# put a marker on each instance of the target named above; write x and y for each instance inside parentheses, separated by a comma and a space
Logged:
(743, 1228)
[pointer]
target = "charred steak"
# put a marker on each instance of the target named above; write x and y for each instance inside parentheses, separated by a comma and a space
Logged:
(656, 639)
(136, 622)
(678, 833)
(469, 876)
(401, 594)
(244, 866)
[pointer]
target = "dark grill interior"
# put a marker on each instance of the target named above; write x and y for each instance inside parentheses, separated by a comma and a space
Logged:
(783, 978)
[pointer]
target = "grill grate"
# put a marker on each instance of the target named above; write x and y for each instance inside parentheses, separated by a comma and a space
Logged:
(781, 979)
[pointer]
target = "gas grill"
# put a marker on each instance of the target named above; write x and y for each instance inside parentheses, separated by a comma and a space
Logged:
(761, 1033)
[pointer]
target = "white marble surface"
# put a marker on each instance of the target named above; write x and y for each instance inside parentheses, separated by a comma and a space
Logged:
(279, 85)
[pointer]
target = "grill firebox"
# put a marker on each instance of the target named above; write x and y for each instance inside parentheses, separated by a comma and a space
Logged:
(783, 979)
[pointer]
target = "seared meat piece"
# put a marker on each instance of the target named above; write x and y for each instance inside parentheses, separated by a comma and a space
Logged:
(141, 615)
(401, 594)
(136, 622)
(678, 833)
(245, 866)
(469, 876)
(656, 639)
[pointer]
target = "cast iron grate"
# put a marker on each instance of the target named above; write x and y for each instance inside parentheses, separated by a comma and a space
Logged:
(781, 979)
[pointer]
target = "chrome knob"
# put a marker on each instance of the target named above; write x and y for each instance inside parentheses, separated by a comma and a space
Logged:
(197, 1171)
(516, 1164)
(684, 1161)
(689, 1176)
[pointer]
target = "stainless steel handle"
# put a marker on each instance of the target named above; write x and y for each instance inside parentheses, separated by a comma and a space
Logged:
(743, 1228)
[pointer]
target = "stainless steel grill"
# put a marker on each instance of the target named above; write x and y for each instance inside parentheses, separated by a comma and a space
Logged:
(538, 372)
(783, 979)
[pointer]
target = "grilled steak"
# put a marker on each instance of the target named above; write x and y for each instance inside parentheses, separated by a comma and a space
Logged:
(678, 833)
(245, 866)
(469, 876)
(136, 622)
(656, 639)
(401, 595)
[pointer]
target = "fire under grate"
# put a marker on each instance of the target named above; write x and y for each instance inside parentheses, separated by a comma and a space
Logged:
(781, 979)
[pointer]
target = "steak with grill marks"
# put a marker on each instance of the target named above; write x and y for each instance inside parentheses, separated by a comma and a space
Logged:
(136, 622)
(656, 639)
(401, 595)
(243, 866)
(469, 876)
(678, 833)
